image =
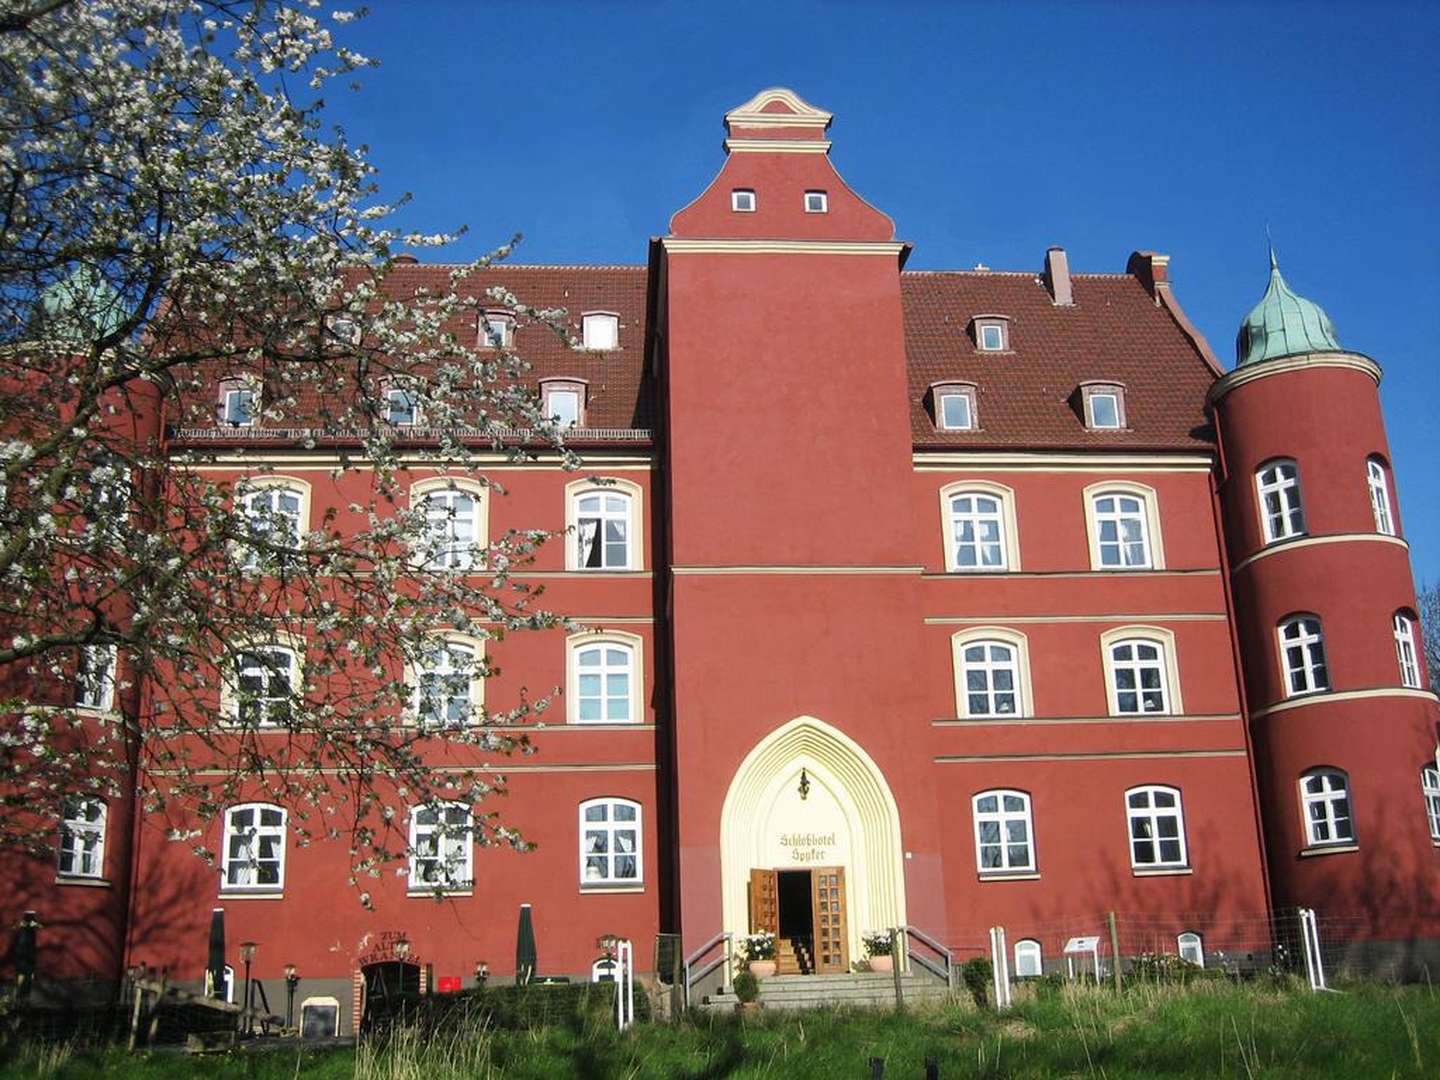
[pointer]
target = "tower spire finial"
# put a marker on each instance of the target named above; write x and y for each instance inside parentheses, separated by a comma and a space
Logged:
(1270, 243)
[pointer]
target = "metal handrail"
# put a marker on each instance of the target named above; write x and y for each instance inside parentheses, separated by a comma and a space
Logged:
(692, 977)
(943, 967)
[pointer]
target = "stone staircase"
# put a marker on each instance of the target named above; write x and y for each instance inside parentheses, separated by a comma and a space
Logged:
(792, 957)
(860, 990)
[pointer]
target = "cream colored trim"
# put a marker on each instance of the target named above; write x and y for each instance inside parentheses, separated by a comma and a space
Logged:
(778, 146)
(966, 620)
(328, 462)
(1158, 634)
(1264, 369)
(1310, 541)
(228, 896)
(1327, 849)
(421, 489)
(608, 575)
(1152, 718)
(636, 539)
(685, 246)
(483, 766)
(1204, 571)
(1122, 755)
(574, 643)
(1343, 695)
(247, 485)
(1151, 503)
(86, 882)
(533, 729)
(860, 570)
(1174, 871)
(1026, 705)
(477, 682)
(1029, 876)
(229, 705)
(413, 893)
(802, 114)
(593, 890)
(1059, 461)
(1010, 541)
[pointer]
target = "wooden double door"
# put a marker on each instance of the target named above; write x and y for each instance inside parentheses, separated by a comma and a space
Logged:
(781, 903)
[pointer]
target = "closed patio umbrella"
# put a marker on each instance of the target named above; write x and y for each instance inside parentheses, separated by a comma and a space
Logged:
(25, 948)
(525, 956)
(215, 962)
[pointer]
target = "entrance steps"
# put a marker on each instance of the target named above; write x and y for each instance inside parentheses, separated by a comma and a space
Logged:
(859, 990)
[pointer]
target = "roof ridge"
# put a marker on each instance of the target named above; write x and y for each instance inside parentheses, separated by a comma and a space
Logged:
(1113, 274)
(527, 266)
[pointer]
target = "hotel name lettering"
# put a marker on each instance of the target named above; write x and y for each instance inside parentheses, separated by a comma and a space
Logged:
(808, 847)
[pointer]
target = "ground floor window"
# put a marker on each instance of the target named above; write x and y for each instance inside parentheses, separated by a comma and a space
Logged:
(1192, 949)
(1028, 961)
(610, 842)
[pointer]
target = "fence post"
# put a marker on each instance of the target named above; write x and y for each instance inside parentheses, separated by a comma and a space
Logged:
(1000, 967)
(895, 969)
(1310, 942)
(1114, 948)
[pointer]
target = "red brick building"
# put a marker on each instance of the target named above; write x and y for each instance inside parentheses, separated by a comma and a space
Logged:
(932, 599)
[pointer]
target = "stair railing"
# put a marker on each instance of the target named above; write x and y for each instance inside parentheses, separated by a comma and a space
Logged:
(695, 970)
(933, 957)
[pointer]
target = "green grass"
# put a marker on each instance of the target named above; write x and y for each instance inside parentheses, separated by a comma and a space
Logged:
(1220, 1030)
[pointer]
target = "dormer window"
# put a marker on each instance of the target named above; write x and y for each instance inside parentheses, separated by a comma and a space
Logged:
(402, 409)
(954, 406)
(742, 200)
(991, 332)
(1104, 406)
(344, 329)
(497, 329)
(238, 403)
(562, 401)
(600, 330)
(817, 202)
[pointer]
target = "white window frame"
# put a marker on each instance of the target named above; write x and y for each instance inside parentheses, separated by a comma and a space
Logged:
(981, 515)
(1280, 477)
(1020, 651)
(321, 1002)
(411, 398)
(1430, 792)
(1308, 638)
(605, 969)
(267, 701)
(990, 671)
(1191, 948)
(343, 327)
(822, 204)
(1325, 795)
(445, 650)
(504, 321)
(608, 830)
(231, 391)
(451, 552)
(738, 196)
(1378, 478)
(76, 827)
(1029, 959)
(1009, 538)
(1406, 654)
(1150, 635)
(1001, 328)
(961, 394)
(1003, 818)
(453, 853)
(1117, 399)
(590, 322)
(1145, 513)
(577, 675)
(551, 389)
(1144, 827)
(227, 984)
(95, 677)
(244, 863)
(257, 498)
(578, 542)
(1133, 669)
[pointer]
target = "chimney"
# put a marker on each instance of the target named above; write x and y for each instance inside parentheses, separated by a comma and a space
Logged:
(1152, 270)
(1057, 277)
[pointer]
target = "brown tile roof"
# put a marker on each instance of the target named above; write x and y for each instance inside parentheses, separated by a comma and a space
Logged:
(1114, 333)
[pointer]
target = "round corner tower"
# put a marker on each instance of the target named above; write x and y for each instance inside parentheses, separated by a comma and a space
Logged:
(1344, 722)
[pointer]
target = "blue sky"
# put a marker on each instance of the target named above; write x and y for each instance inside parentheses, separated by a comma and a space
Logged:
(987, 131)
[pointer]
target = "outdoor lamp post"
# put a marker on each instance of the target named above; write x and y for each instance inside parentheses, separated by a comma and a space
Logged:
(247, 955)
(291, 981)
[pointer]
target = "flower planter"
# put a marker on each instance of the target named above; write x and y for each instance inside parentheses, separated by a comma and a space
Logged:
(762, 968)
(882, 963)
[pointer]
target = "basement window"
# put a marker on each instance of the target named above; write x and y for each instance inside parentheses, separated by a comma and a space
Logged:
(742, 201)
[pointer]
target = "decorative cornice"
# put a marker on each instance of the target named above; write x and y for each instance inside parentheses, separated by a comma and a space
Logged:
(685, 246)
(1004, 620)
(1285, 364)
(1313, 541)
(759, 569)
(1343, 695)
(778, 146)
(801, 113)
(1060, 461)
(1129, 755)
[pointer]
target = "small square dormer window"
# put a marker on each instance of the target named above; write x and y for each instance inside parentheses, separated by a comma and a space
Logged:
(991, 335)
(563, 403)
(954, 408)
(402, 409)
(1104, 407)
(600, 331)
(238, 403)
(742, 201)
(344, 329)
(497, 330)
(817, 202)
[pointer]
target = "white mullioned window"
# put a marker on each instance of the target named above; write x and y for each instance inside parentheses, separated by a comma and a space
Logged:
(1302, 652)
(273, 523)
(1122, 531)
(990, 671)
(1140, 682)
(1003, 834)
(954, 410)
(1281, 512)
(445, 685)
(402, 407)
(1430, 792)
(1405, 651)
(602, 530)
(1028, 961)
(253, 847)
(1325, 800)
(605, 683)
(600, 330)
(977, 531)
(265, 683)
(452, 517)
(82, 837)
(1379, 480)
(1191, 948)
(95, 677)
(563, 403)
(442, 847)
(239, 405)
(610, 842)
(1157, 827)
(496, 330)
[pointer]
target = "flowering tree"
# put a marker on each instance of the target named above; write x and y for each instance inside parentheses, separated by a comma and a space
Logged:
(175, 219)
(1429, 600)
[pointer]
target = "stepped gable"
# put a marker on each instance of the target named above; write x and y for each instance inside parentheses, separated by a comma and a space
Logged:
(1026, 396)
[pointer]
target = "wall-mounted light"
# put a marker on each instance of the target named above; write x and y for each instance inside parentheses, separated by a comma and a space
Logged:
(804, 785)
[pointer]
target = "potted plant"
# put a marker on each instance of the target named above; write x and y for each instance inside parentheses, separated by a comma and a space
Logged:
(760, 954)
(878, 950)
(747, 989)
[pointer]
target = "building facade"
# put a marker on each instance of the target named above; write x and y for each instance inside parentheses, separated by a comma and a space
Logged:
(932, 599)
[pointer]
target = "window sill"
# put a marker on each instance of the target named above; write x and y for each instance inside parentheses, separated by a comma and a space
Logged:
(1028, 875)
(252, 894)
(1161, 871)
(601, 889)
(85, 882)
(1328, 849)
(433, 894)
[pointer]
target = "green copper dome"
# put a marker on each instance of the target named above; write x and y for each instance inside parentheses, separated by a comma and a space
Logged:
(1283, 324)
(82, 307)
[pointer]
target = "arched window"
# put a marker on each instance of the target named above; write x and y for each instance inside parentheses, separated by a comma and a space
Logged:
(447, 678)
(603, 679)
(1003, 834)
(1430, 792)
(442, 847)
(991, 673)
(274, 520)
(252, 854)
(82, 837)
(454, 526)
(1281, 512)
(1405, 651)
(1157, 827)
(1139, 676)
(1028, 962)
(1124, 524)
(1378, 477)
(1325, 798)
(610, 843)
(1302, 653)
(264, 685)
(1191, 947)
(605, 519)
(605, 969)
(977, 532)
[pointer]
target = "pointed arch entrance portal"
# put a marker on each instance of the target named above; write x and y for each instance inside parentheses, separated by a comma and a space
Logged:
(809, 817)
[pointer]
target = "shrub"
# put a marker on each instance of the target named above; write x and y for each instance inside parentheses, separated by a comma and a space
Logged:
(1165, 968)
(515, 1008)
(759, 946)
(747, 987)
(977, 973)
(877, 942)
